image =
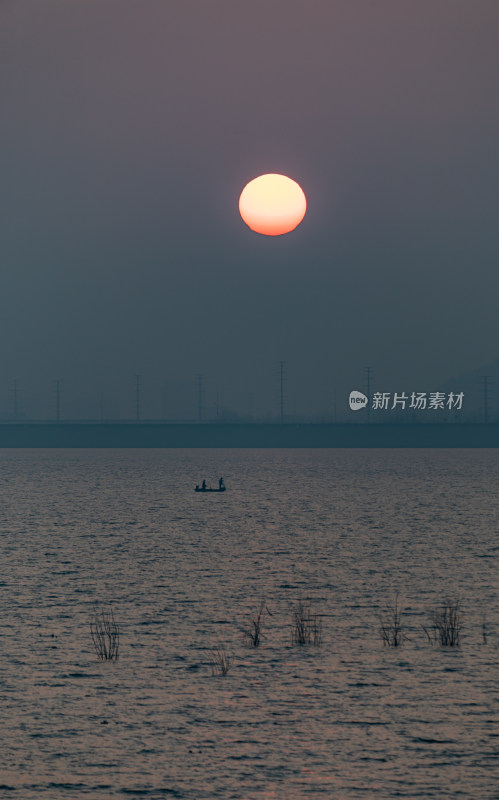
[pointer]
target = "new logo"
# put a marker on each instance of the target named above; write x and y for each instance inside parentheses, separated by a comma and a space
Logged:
(357, 400)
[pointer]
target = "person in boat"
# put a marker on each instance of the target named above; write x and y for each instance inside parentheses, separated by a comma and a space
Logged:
(221, 484)
(203, 486)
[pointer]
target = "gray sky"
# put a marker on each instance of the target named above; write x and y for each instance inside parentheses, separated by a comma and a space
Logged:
(128, 130)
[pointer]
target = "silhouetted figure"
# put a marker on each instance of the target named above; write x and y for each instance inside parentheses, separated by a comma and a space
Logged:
(221, 484)
(203, 486)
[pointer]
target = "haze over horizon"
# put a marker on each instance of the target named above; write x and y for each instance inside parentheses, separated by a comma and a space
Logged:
(128, 132)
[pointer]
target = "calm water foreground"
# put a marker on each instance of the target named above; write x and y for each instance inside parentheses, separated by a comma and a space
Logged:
(344, 530)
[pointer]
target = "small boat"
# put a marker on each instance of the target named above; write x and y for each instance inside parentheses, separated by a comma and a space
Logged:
(209, 489)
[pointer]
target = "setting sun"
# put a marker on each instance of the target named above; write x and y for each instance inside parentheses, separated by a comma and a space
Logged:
(272, 204)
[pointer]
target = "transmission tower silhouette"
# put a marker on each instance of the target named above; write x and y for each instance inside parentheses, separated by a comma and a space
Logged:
(58, 401)
(486, 390)
(138, 387)
(282, 388)
(15, 409)
(368, 392)
(200, 388)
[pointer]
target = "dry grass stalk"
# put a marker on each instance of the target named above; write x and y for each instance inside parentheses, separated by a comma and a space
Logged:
(484, 629)
(105, 635)
(390, 624)
(446, 623)
(221, 660)
(253, 633)
(307, 627)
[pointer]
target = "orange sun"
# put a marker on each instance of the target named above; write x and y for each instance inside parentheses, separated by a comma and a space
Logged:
(272, 204)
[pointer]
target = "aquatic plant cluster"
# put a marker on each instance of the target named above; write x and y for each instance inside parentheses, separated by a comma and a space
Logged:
(105, 634)
(445, 623)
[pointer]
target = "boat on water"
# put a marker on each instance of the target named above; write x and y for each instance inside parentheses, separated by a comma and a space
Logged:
(204, 488)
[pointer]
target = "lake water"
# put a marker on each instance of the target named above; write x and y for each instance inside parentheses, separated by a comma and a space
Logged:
(342, 530)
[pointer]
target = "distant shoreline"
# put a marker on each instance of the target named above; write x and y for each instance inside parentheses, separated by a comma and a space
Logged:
(245, 435)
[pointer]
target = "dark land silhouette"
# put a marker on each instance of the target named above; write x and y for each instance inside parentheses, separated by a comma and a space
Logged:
(228, 435)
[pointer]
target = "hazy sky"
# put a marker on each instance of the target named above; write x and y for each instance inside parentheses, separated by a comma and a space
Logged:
(128, 130)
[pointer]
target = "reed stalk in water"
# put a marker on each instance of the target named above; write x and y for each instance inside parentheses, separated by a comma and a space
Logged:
(105, 635)
(390, 624)
(306, 626)
(446, 623)
(220, 660)
(253, 632)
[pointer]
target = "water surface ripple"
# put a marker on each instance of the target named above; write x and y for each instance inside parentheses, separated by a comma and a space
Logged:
(342, 530)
